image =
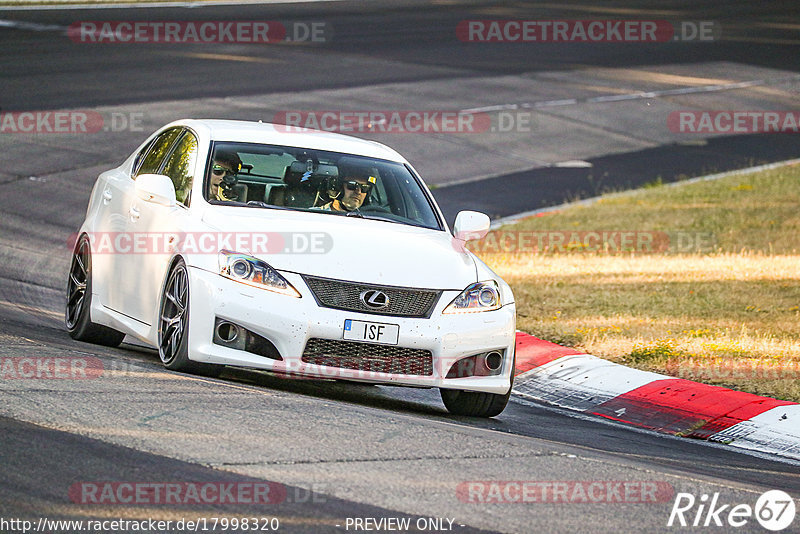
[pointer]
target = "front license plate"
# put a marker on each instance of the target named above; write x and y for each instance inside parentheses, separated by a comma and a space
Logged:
(371, 332)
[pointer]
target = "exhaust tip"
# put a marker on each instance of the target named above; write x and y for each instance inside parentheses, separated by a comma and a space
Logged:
(493, 361)
(227, 332)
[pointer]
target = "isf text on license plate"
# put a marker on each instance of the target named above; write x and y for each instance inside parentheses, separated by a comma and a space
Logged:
(371, 332)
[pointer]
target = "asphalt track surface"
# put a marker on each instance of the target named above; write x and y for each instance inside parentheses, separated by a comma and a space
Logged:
(363, 451)
(528, 190)
(413, 43)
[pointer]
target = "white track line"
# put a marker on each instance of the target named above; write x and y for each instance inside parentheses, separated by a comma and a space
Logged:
(639, 95)
(147, 5)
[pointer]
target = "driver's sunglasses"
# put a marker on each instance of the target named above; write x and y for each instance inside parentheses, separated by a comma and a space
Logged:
(219, 170)
(353, 185)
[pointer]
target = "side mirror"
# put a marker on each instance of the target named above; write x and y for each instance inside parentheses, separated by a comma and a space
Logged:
(471, 225)
(155, 188)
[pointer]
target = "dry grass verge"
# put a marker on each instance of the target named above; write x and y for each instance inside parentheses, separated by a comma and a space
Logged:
(725, 315)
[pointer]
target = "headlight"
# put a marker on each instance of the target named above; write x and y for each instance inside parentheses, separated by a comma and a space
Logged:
(478, 297)
(254, 272)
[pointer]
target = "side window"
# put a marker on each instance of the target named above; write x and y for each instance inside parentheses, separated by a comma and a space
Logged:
(180, 166)
(158, 150)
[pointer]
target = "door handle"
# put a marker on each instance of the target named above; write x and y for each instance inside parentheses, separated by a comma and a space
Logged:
(107, 196)
(134, 213)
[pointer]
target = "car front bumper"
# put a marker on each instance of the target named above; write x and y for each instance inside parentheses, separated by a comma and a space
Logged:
(289, 323)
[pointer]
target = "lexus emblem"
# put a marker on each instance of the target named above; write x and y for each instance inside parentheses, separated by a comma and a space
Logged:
(372, 298)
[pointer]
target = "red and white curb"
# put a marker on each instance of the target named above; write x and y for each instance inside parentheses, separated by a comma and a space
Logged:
(570, 379)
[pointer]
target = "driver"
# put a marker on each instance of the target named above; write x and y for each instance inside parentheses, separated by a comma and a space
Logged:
(353, 189)
(224, 170)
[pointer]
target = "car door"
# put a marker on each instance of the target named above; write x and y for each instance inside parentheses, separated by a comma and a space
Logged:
(121, 284)
(158, 224)
(110, 222)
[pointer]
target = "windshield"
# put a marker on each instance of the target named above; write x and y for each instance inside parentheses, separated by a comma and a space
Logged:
(331, 183)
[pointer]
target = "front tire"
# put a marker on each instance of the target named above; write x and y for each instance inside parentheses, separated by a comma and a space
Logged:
(173, 326)
(77, 313)
(474, 403)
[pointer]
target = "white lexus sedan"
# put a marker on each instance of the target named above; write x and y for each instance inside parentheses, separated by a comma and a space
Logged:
(299, 252)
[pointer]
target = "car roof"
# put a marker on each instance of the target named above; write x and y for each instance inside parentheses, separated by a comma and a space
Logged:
(278, 134)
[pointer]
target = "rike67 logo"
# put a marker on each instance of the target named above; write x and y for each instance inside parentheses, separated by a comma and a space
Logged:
(774, 510)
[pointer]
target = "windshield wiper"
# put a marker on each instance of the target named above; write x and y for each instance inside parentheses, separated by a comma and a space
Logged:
(380, 218)
(355, 213)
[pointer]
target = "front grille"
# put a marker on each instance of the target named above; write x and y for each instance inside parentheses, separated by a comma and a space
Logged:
(403, 302)
(368, 357)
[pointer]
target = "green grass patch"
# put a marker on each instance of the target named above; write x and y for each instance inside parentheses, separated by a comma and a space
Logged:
(755, 212)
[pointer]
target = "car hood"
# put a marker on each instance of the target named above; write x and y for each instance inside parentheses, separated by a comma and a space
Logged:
(347, 248)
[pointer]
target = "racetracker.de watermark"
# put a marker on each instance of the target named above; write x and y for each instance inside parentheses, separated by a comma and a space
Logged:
(589, 241)
(194, 32)
(564, 491)
(69, 122)
(50, 367)
(383, 121)
(159, 243)
(193, 492)
(586, 31)
(733, 122)
(732, 369)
